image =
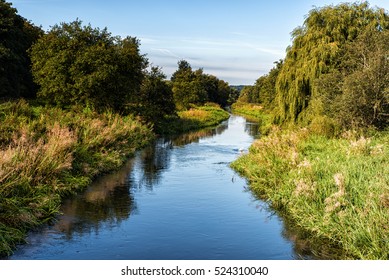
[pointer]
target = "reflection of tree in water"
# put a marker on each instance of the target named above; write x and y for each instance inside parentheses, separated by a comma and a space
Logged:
(252, 129)
(194, 137)
(107, 200)
(156, 158)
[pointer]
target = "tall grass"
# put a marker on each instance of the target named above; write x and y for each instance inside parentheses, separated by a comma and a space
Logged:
(48, 153)
(337, 189)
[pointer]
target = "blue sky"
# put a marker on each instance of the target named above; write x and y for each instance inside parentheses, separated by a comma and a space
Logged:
(235, 40)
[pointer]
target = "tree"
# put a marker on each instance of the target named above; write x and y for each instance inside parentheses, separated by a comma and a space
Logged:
(76, 64)
(155, 101)
(357, 93)
(188, 86)
(267, 86)
(316, 50)
(16, 37)
(245, 95)
(195, 87)
(264, 89)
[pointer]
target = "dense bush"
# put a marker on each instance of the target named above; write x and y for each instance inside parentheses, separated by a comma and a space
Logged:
(75, 64)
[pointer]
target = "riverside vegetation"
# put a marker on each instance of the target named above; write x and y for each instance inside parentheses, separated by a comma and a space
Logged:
(68, 116)
(323, 158)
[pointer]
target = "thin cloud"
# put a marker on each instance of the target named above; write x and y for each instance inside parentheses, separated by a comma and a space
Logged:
(165, 52)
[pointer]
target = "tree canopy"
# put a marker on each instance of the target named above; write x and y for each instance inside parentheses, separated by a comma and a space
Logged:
(195, 87)
(336, 69)
(76, 64)
(155, 99)
(16, 37)
(317, 49)
(356, 94)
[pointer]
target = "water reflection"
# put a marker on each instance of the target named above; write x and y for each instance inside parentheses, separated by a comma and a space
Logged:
(252, 129)
(110, 198)
(193, 137)
(107, 200)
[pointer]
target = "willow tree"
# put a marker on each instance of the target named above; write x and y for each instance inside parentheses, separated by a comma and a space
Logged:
(315, 50)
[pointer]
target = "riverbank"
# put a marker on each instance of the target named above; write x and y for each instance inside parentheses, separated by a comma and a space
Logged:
(255, 113)
(197, 117)
(48, 153)
(334, 189)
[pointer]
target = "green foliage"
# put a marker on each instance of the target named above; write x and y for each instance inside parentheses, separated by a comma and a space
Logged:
(264, 90)
(16, 37)
(75, 64)
(196, 88)
(317, 49)
(255, 113)
(155, 99)
(356, 94)
(248, 94)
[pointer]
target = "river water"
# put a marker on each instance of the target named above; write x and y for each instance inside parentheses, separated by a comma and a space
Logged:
(176, 199)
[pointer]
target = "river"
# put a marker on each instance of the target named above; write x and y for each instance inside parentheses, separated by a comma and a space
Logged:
(176, 199)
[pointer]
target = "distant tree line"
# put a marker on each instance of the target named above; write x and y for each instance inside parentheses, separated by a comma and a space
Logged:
(336, 70)
(76, 64)
(196, 87)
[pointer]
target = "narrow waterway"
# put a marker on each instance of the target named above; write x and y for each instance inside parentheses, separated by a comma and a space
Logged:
(177, 199)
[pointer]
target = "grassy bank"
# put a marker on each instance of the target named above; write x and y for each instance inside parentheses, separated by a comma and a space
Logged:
(337, 190)
(254, 113)
(195, 118)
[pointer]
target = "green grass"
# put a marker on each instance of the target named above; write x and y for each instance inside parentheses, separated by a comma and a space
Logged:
(336, 189)
(195, 118)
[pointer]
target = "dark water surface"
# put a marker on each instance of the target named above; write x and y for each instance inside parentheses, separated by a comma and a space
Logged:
(177, 199)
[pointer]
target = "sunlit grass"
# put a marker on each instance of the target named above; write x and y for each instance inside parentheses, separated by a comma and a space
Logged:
(195, 118)
(335, 189)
